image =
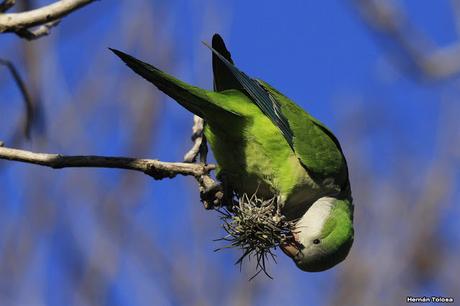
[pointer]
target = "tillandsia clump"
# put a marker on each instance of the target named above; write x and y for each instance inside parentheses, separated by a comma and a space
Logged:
(257, 227)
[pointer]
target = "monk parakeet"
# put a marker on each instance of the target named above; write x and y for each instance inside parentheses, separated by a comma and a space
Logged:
(265, 143)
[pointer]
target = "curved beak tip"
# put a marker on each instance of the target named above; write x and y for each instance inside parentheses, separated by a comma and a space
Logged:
(290, 249)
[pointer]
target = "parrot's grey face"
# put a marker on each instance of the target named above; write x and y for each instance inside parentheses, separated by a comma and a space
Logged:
(323, 237)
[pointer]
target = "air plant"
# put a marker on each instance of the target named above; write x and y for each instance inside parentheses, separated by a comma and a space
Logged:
(257, 227)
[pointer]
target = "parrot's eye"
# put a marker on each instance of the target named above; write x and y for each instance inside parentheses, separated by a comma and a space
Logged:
(316, 241)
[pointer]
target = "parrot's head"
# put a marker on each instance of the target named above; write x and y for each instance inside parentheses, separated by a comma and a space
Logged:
(323, 235)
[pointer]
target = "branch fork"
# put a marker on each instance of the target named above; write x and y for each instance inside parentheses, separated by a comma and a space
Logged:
(36, 23)
(211, 192)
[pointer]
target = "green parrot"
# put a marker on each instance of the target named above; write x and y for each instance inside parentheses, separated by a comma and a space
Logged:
(265, 143)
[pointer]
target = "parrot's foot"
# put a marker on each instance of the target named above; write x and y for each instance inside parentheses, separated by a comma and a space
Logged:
(213, 196)
(218, 195)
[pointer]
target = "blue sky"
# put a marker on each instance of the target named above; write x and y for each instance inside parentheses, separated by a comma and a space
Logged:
(319, 53)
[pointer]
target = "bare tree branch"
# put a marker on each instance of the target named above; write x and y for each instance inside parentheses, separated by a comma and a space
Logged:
(456, 14)
(155, 168)
(211, 192)
(28, 122)
(152, 167)
(45, 16)
(419, 54)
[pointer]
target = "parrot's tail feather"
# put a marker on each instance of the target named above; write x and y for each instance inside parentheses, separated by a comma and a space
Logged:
(223, 77)
(198, 101)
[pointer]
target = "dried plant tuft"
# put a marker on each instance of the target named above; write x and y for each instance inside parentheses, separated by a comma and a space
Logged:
(257, 227)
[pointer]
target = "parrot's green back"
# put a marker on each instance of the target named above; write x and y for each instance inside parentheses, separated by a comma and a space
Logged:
(314, 144)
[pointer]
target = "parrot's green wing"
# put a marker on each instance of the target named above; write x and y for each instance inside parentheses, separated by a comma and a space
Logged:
(316, 147)
(267, 104)
(314, 144)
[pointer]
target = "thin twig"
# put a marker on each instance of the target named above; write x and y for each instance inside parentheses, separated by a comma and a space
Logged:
(43, 16)
(6, 5)
(416, 52)
(456, 14)
(212, 193)
(197, 138)
(28, 122)
(43, 30)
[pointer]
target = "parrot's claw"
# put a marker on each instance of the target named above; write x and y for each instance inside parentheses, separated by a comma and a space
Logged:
(212, 197)
(218, 195)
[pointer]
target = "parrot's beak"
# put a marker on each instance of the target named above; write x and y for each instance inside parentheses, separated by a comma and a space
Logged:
(290, 249)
